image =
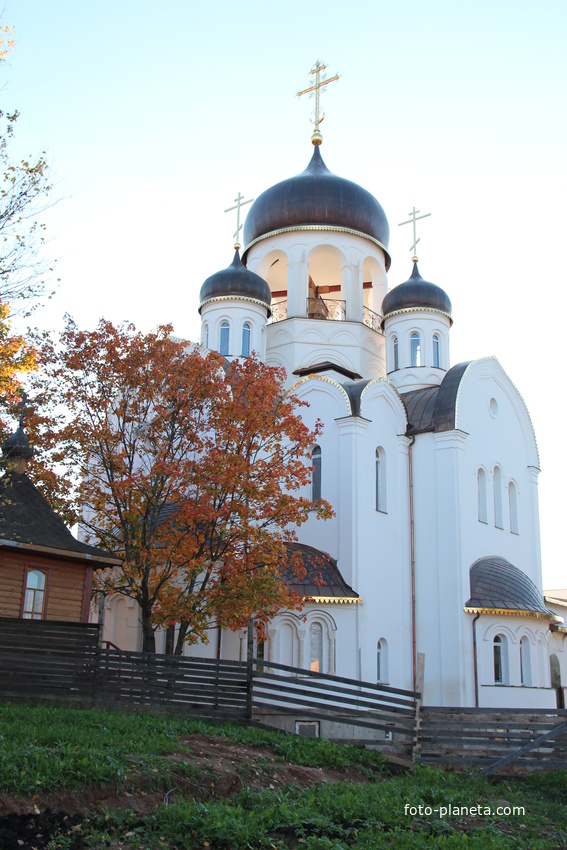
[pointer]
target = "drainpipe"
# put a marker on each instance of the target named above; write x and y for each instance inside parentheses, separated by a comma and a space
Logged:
(412, 555)
(475, 660)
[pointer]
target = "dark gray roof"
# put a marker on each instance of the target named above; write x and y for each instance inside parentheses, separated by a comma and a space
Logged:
(17, 446)
(236, 280)
(322, 576)
(496, 583)
(26, 517)
(416, 293)
(326, 366)
(316, 196)
(434, 408)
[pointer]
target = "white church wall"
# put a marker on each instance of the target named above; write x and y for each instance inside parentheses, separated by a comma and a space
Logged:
(236, 313)
(419, 371)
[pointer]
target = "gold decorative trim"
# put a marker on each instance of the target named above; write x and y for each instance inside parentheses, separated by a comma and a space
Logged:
(319, 227)
(316, 376)
(417, 310)
(339, 600)
(234, 298)
(506, 612)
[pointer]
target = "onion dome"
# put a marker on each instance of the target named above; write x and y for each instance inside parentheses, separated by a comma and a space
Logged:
(313, 199)
(236, 281)
(17, 446)
(416, 294)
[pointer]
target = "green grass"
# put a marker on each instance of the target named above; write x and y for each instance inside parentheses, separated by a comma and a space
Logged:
(46, 748)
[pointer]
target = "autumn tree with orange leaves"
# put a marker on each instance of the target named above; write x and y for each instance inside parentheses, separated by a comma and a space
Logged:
(193, 471)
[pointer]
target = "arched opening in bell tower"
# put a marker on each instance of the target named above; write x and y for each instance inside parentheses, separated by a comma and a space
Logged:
(326, 298)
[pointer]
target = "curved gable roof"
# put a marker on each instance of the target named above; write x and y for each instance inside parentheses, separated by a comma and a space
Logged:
(497, 584)
(435, 408)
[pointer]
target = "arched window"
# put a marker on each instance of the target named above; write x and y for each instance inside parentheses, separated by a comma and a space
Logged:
(415, 349)
(481, 485)
(513, 504)
(396, 354)
(555, 670)
(436, 350)
(316, 474)
(224, 339)
(34, 596)
(316, 647)
(525, 662)
(500, 651)
(246, 339)
(206, 336)
(497, 484)
(382, 660)
(380, 480)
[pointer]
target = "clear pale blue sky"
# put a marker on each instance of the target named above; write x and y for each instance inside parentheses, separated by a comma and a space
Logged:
(155, 116)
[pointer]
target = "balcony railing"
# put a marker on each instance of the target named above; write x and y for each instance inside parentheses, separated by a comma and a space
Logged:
(327, 308)
(371, 319)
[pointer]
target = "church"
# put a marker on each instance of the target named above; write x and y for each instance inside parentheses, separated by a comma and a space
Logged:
(431, 467)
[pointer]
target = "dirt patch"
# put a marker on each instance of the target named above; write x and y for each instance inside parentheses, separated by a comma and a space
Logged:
(202, 768)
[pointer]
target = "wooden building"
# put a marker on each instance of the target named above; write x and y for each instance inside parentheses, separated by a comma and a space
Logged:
(45, 573)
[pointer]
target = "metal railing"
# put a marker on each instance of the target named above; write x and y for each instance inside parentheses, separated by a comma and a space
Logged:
(371, 319)
(326, 308)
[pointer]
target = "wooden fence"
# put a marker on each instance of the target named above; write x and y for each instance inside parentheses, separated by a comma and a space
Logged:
(494, 739)
(62, 662)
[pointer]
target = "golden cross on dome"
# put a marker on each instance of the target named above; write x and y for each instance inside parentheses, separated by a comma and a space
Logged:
(412, 220)
(239, 203)
(316, 71)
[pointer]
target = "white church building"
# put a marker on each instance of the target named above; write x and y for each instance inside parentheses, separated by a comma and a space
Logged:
(431, 468)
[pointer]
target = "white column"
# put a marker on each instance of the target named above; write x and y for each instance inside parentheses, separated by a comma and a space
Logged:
(296, 283)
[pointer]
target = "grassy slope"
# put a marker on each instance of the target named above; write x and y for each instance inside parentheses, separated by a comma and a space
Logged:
(46, 749)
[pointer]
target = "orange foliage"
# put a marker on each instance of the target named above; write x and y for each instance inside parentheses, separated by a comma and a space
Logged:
(193, 473)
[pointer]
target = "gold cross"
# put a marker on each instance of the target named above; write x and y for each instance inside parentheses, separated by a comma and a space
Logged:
(239, 203)
(412, 220)
(316, 71)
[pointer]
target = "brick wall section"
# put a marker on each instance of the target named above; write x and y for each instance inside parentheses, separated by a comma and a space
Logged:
(66, 585)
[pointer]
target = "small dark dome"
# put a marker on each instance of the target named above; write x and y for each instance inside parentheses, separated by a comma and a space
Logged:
(418, 294)
(17, 446)
(235, 281)
(496, 583)
(317, 197)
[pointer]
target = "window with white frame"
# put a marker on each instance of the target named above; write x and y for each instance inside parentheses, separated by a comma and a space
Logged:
(525, 661)
(224, 339)
(497, 486)
(316, 474)
(500, 656)
(436, 350)
(395, 347)
(513, 505)
(380, 481)
(316, 647)
(415, 349)
(34, 595)
(246, 331)
(382, 660)
(481, 486)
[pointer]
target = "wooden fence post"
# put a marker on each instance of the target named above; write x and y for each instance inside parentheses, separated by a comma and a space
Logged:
(250, 669)
(420, 670)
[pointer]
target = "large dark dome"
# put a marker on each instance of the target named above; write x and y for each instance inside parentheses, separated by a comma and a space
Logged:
(317, 197)
(418, 294)
(235, 281)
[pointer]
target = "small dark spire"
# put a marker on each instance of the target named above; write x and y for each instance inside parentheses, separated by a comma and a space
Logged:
(17, 447)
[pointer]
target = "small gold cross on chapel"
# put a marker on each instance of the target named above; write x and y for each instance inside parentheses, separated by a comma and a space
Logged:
(239, 203)
(412, 220)
(316, 71)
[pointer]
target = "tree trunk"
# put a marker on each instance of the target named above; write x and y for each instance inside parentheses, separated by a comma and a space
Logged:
(181, 634)
(148, 633)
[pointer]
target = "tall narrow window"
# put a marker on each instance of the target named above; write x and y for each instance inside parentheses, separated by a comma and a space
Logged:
(525, 665)
(396, 354)
(436, 345)
(382, 661)
(497, 484)
(415, 349)
(500, 660)
(34, 597)
(481, 484)
(380, 479)
(224, 339)
(246, 339)
(513, 504)
(316, 474)
(316, 647)
(206, 336)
